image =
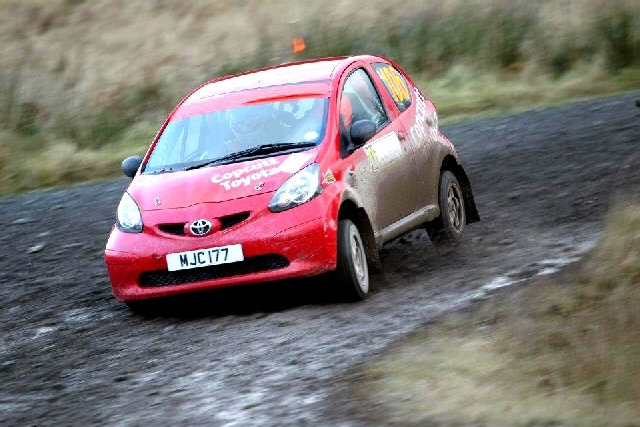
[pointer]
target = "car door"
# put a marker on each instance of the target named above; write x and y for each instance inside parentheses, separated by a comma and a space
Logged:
(418, 117)
(388, 174)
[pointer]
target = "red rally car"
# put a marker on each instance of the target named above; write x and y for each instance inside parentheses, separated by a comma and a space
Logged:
(285, 172)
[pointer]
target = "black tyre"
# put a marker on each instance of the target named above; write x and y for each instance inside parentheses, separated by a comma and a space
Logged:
(352, 273)
(448, 227)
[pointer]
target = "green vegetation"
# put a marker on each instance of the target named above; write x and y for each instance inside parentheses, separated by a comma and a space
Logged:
(561, 352)
(83, 82)
(495, 35)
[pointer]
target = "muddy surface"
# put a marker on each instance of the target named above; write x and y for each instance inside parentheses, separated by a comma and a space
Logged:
(278, 354)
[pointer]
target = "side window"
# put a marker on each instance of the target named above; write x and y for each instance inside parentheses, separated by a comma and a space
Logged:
(395, 83)
(360, 101)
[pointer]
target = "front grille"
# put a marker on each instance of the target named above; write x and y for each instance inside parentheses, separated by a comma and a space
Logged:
(175, 229)
(249, 265)
(231, 220)
(225, 222)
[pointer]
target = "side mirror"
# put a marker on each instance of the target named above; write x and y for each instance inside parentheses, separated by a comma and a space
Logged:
(362, 131)
(130, 165)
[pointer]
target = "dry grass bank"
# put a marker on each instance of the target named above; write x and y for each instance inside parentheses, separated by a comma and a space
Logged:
(78, 73)
(562, 352)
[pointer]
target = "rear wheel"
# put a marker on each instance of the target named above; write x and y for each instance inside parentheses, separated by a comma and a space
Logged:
(448, 227)
(352, 272)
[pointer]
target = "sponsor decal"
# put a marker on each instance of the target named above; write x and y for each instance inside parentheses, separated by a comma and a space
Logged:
(259, 170)
(385, 149)
(329, 178)
(310, 136)
(418, 132)
(244, 176)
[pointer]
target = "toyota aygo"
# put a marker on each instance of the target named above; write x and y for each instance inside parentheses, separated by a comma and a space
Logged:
(286, 172)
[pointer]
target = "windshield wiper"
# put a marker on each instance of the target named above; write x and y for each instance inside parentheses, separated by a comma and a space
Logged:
(260, 149)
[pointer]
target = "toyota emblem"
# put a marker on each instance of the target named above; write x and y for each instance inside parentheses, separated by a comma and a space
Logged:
(200, 227)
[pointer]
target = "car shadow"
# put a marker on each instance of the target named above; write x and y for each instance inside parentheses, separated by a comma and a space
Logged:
(245, 300)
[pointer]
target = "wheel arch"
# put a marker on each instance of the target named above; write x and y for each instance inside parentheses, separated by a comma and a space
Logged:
(449, 163)
(350, 210)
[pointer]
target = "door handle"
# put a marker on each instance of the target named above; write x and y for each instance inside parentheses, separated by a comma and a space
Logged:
(402, 136)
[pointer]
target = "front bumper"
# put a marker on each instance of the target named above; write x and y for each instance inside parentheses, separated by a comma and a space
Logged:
(299, 242)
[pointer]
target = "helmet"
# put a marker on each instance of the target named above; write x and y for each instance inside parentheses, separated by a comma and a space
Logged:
(346, 111)
(248, 121)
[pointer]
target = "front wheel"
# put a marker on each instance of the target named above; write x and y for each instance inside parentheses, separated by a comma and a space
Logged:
(352, 273)
(448, 227)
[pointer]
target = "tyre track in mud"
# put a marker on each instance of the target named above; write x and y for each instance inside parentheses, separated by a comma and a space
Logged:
(276, 354)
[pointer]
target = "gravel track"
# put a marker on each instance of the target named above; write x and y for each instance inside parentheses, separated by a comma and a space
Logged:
(279, 354)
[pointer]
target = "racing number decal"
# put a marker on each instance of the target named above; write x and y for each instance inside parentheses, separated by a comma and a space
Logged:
(395, 83)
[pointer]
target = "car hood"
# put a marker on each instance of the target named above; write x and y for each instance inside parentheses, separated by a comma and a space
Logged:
(218, 183)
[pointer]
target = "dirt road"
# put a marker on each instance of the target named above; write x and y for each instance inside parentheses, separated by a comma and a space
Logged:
(273, 355)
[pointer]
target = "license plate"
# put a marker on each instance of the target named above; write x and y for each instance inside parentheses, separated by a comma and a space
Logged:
(205, 257)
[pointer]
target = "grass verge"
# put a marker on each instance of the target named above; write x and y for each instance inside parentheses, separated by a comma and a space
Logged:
(38, 161)
(561, 352)
(460, 94)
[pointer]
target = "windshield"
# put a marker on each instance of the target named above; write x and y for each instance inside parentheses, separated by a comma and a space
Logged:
(217, 135)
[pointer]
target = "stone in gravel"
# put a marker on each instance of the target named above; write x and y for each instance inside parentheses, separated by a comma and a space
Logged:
(72, 245)
(36, 248)
(523, 273)
(285, 323)
(479, 296)
(506, 242)
(20, 221)
(484, 329)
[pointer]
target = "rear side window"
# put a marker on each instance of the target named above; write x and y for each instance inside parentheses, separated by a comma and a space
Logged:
(395, 83)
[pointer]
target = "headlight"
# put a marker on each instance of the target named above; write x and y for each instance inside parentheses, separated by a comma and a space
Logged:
(129, 218)
(299, 189)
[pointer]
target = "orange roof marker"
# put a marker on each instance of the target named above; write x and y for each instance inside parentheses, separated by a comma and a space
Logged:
(298, 45)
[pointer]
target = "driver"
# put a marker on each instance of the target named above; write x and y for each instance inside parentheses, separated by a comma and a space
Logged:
(214, 136)
(250, 126)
